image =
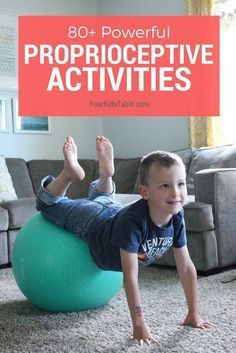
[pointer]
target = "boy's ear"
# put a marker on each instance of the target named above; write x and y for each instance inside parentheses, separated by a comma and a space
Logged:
(143, 191)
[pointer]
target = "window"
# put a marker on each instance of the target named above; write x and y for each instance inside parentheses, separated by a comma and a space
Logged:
(5, 113)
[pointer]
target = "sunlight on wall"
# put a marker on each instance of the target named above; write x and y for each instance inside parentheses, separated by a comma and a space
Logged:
(227, 12)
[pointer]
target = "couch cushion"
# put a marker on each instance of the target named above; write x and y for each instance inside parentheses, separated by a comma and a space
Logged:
(7, 191)
(198, 217)
(20, 176)
(186, 155)
(4, 219)
(125, 177)
(20, 211)
(126, 171)
(208, 158)
(38, 169)
(3, 248)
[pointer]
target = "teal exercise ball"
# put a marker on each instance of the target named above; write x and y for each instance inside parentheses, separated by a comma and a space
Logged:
(55, 271)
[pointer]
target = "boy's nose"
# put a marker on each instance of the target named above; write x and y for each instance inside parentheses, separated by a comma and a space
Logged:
(175, 191)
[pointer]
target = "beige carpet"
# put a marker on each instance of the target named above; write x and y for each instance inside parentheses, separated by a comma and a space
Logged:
(24, 328)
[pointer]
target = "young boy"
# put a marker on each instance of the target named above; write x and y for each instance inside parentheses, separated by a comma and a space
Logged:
(131, 237)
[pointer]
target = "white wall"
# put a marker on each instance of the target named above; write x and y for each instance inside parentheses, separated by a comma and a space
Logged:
(136, 136)
(51, 7)
(34, 146)
(141, 7)
(131, 136)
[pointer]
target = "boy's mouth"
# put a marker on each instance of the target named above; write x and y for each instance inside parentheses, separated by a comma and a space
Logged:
(174, 202)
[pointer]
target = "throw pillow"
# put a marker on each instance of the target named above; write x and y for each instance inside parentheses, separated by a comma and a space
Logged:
(7, 191)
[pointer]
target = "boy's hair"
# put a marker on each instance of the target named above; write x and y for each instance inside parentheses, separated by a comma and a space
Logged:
(159, 159)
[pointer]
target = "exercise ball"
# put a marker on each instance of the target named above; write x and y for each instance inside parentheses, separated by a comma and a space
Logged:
(55, 271)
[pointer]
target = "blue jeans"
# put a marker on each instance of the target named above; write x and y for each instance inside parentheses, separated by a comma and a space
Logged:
(77, 216)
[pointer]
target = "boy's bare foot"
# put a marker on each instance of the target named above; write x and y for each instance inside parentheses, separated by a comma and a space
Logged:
(72, 170)
(105, 156)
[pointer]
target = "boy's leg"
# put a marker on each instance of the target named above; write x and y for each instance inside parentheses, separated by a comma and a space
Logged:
(77, 215)
(72, 171)
(105, 155)
(50, 198)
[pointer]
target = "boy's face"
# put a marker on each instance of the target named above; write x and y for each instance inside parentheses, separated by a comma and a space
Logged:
(166, 191)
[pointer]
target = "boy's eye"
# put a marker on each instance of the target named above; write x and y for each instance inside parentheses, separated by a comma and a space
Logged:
(164, 186)
(182, 184)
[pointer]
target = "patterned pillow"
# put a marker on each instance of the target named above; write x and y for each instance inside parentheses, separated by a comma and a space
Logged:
(7, 191)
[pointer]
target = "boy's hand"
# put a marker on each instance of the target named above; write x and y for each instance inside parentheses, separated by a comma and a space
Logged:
(194, 320)
(142, 334)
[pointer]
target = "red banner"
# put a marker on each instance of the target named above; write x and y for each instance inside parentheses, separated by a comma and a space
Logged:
(118, 65)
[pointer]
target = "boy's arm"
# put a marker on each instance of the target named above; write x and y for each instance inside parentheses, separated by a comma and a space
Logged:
(188, 278)
(141, 331)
